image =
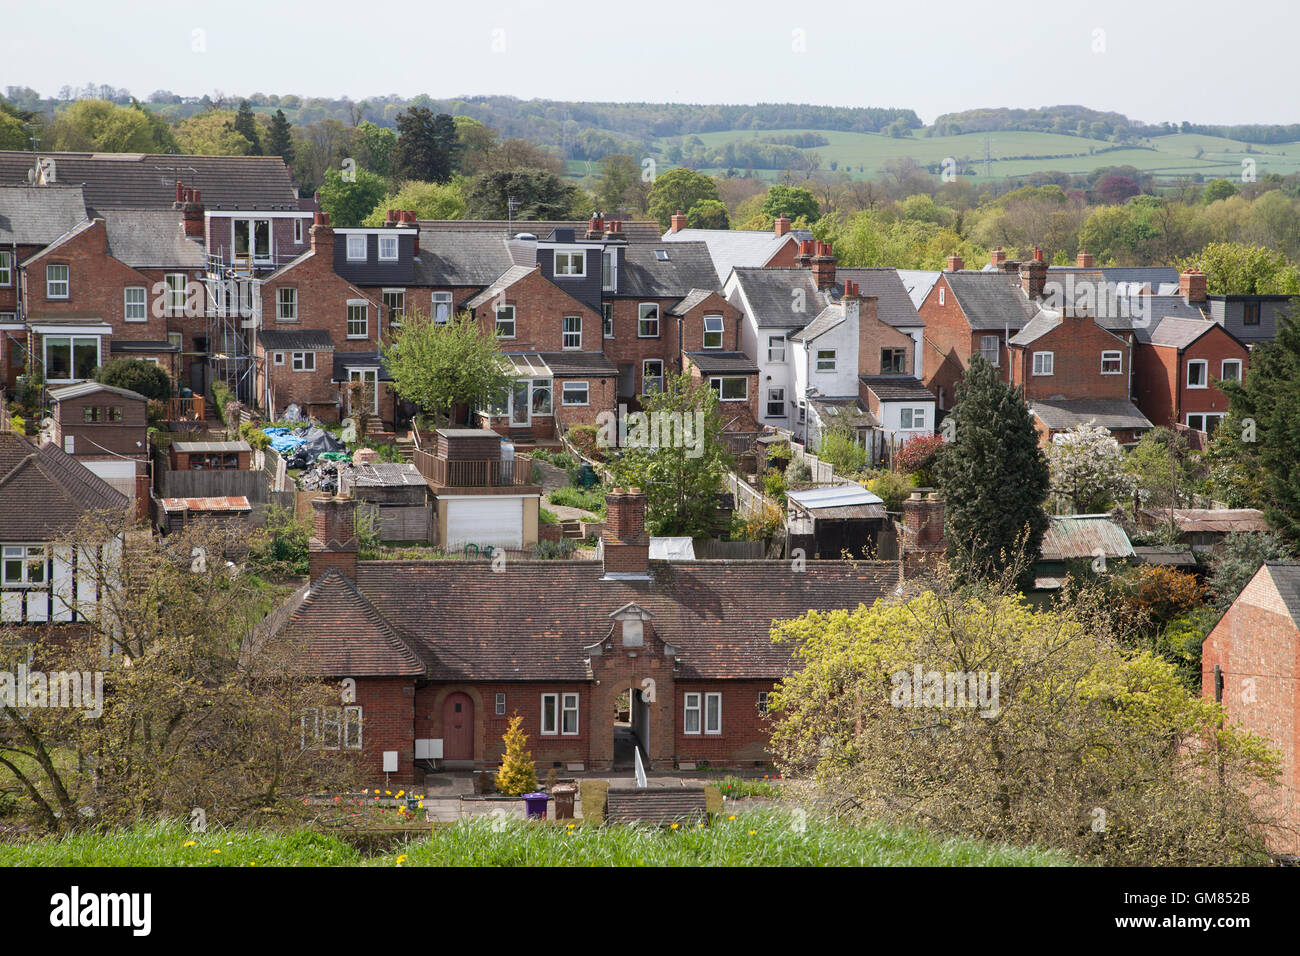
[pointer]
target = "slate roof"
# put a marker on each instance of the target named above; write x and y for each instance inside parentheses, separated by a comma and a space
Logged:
(578, 363)
(826, 320)
(643, 275)
(692, 299)
(715, 362)
(1036, 328)
(1286, 578)
(65, 392)
(461, 257)
(1113, 413)
(152, 239)
(502, 282)
(533, 620)
(1171, 332)
(634, 230)
(1156, 278)
(37, 215)
(135, 180)
(1071, 537)
(731, 248)
(295, 340)
(370, 359)
(897, 388)
(991, 300)
(893, 304)
(918, 283)
(44, 493)
(771, 299)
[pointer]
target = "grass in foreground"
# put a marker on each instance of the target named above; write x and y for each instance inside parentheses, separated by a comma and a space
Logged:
(759, 838)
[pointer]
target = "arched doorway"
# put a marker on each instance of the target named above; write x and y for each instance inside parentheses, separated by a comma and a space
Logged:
(457, 728)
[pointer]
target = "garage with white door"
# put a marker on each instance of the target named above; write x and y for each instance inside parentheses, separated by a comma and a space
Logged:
(496, 520)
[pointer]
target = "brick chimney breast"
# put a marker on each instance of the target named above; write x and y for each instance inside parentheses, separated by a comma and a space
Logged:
(924, 541)
(1033, 275)
(804, 258)
(322, 235)
(333, 541)
(625, 546)
(781, 225)
(997, 257)
(1193, 285)
(678, 221)
(823, 266)
(1084, 260)
(956, 263)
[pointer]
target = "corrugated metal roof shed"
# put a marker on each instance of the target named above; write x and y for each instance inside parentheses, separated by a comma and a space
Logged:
(1070, 537)
(235, 503)
(1220, 520)
(200, 447)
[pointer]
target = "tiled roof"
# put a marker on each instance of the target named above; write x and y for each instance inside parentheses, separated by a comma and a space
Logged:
(1286, 578)
(578, 363)
(991, 300)
(1113, 413)
(644, 275)
(897, 388)
(1171, 332)
(225, 503)
(826, 320)
(731, 248)
(893, 304)
(134, 180)
(723, 363)
(152, 239)
(634, 230)
(771, 298)
(692, 299)
(502, 282)
(918, 283)
(533, 620)
(342, 360)
(295, 340)
(44, 493)
(1036, 328)
(37, 215)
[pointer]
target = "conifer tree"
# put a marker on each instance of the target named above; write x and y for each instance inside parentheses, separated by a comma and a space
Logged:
(994, 478)
(517, 774)
(246, 126)
(279, 141)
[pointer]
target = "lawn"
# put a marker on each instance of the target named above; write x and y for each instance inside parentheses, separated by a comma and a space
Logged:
(755, 838)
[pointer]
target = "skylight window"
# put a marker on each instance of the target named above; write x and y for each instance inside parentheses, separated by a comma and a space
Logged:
(661, 255)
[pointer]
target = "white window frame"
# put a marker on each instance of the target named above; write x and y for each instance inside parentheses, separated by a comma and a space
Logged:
(331, 717)
(609, 271)
(646, 377)
(391, 243)
(912, 413)
(500, 705)
(395, 316)
(710, 698)
(575, 388)
(441, 303)
(825, 360)
(1112, 355)
(941, 295)
(26, 555)
(719, 331)
(176, 283)
(1205, 420)
(364, 306)
(763, 702)
(644, 318)
(553, 729)
(718, 384)
(568, 706)
(72, 354)
(351, 244)
(1205, 373)
(303, 362)
(52, 283)
(991, 344)
(501, 310)
(692, 704)
(142, 305)
(776, 344)
(777, 395)
(254, 254)
(1044, 363)
(607, 320)
(6, 269)
(297, 232)
(571, 337)
(277, 358)
(291, 314)
(1223, 369)
(575, 264)
(352, 720)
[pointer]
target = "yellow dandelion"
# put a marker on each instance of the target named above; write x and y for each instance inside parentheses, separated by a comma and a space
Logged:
(400, 792)
(752, 832)
(252, 863)
(387, 793)
(674, 826)
(401, 859)
(732, 817)
(216, 851)
(376, 791)
(190, 843)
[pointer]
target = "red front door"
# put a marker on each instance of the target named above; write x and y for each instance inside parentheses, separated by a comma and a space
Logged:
(458, 727)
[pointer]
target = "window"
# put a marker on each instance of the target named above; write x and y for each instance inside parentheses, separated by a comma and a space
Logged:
(501, 705)
(90, 415)
(911, 418)
(114, 413)
(730, 388)
(1198, 373)
(332, 728)
(652, 376)
(175, 292)
(388, 248)
(893, 361)
(1044, 363)
(803, 413)
(352, 728)
(1250, 313)
(569, 714)
(571, 263)
(573, 332)
(286, 304)
(358, 321)
(1230, 370)
(711, 705)
(6, 268)
(609, 271)
(776, 403)
(691, 714)
(253, 238)
(506, 321)
(56, 282)
(1112, 363)
(277, 358)
(713, 331)
(762, 702)
(541, 400)
(135, 309)
(776, 348)
(1206, 422)
(574, 393)
(304, 362)
(24, 565)
(825, 360)
(550, 715)
(647, 325)
(215, 461)
(991, 349)
(713, 713)
(441, 306)
(607, 319)
(356, 248)
(297, 231)
(71, 357)
(176, 340)
(941, 295)
(395, 305)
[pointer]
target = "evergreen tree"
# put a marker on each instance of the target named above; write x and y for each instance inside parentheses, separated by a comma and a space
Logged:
(994, 478)
(517, 774)
(246, 126)
(427, 146)
(279, 141)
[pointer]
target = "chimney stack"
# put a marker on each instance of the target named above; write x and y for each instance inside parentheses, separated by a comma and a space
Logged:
(322, 235)
(1193, 285)
(333, 541)
(1033, 275)
(851, 300)
(191, 206)
(596, 227)
(956, 263)
(997, 257)
(804, 258)
(1084, 259)
(625, 546)
(679, 222)
(924, 542)
(823, 266)
(782, 225)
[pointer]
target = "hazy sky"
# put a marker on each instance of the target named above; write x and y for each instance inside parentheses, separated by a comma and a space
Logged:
(1193, 60)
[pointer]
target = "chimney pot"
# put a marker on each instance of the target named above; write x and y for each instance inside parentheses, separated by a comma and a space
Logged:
(955, 263)
(781, 225)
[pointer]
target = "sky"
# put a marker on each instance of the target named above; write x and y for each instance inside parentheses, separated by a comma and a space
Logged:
(1192, 60)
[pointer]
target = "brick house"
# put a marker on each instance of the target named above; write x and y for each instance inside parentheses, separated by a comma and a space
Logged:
(1249, 663)
(1179, 362)
(729, 249)
(444, 652)
(106, 429)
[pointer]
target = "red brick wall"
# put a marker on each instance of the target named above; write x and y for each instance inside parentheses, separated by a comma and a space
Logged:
(785, 256)
(874, 335)
(540, 308)
(601, 397)
(1076, 346)
(626, 348)
(736, 416)
(946, 349)
(745, 731)
(387, 723)
(692, 325)
(1162, 389)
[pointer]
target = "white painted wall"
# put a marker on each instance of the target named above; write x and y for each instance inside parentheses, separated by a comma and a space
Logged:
(753, 342)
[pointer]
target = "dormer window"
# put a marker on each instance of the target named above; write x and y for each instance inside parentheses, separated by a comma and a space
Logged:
(573, 264)
(356, 248)
(388, 248)
(633, 632)
(609, 271)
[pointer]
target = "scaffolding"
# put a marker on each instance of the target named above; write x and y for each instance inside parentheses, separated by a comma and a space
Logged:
(234, 314)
